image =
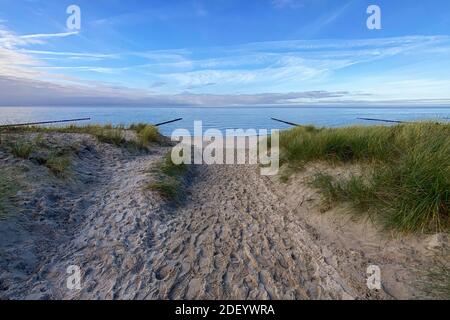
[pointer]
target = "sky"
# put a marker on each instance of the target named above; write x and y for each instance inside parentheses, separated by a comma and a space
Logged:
(224, 53)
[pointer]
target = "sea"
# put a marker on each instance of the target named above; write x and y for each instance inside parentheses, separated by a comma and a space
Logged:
(223, 118)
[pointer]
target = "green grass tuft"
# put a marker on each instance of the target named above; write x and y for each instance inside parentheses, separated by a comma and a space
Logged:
(57, 164)
(147, 134)
(21, 149)
(356, 190)
(169, 188)
(110, 136)
(170, 182)
(138, 127)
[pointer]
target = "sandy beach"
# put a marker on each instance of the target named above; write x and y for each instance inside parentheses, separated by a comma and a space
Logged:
(237, 235)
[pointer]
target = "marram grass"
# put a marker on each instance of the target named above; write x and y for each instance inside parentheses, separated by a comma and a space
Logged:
(406, 180)
(170, 182)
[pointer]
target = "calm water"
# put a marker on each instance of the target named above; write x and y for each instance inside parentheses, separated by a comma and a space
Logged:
(223, 118)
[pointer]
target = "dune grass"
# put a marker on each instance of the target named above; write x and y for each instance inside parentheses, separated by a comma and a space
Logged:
(58, 161)
(146, 133)
(109, 134)
(114, 135)
(21, 149)
(406, 178)
(35, 149)
(57, 164)
(170, 182)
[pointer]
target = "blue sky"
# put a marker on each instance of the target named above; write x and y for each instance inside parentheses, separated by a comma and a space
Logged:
(224, 52)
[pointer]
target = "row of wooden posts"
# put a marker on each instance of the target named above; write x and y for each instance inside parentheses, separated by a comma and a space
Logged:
(179, 119)
(71, 120)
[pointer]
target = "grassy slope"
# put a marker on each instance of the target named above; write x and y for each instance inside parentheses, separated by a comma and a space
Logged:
(406, 181)
(57, 160)
(146, 134)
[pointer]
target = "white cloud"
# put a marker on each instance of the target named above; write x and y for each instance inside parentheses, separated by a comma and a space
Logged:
(287, 64)
(48, 35)
(70, 54)
(11, 40)
(232, 75)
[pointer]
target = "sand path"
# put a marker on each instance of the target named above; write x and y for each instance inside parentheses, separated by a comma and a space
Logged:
(235, 237)
(236, 240)
(232, 239)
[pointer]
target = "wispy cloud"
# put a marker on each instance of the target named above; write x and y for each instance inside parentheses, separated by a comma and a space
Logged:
(17, 64)
(277, 72)
(281, 65)
(11, 40)
(70, 54)
(48, 35)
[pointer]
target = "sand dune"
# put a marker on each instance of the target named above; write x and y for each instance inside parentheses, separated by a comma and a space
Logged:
(238, 235)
